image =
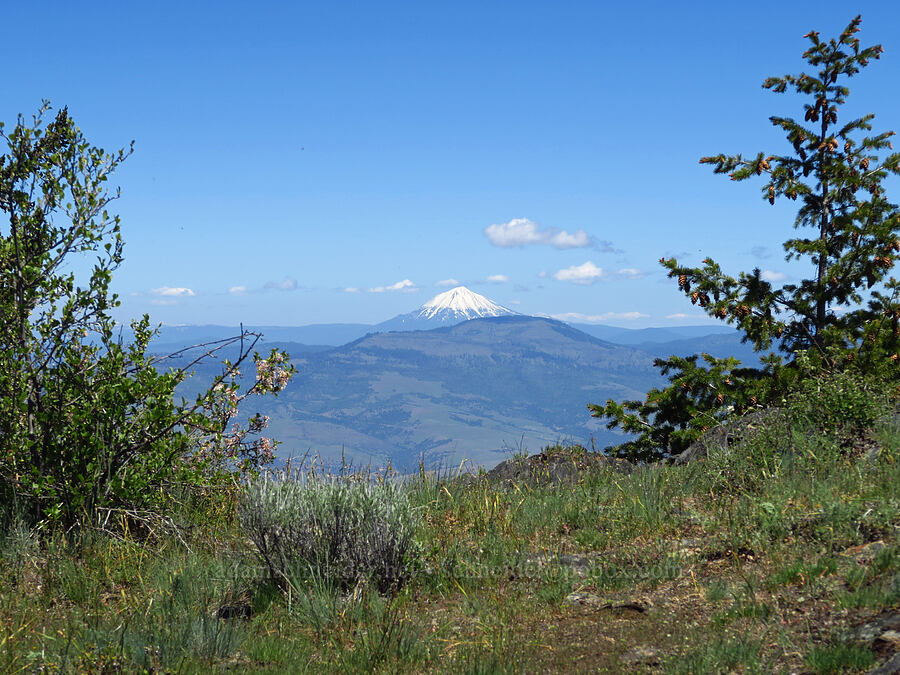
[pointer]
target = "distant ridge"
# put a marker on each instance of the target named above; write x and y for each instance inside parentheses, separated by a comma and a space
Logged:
(474, 390)
(446, 309)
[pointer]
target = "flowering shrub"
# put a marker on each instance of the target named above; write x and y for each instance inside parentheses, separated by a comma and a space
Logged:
(88, 422)
(221, 442)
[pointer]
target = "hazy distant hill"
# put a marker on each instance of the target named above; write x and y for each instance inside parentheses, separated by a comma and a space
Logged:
(487, 383)
(337, 334)
(719, 345)
(445, 309)
(641, 336)
(330, 334)
(477, 390)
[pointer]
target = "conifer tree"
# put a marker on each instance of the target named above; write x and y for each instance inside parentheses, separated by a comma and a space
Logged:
(835, 174)
(845, 312)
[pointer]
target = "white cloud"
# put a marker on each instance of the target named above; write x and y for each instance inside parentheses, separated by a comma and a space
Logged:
(498, 278)
(176, 292)
(288, 284)
(597, 318)
(238, 290)
(697, 318)
(351, 289)
(447, 282)
(525, 232)
(563, 239)
(629, 273)
(584, 274)
(769, 275)
(406, 286)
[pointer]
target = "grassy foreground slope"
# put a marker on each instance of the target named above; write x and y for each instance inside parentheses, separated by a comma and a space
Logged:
(767, 558)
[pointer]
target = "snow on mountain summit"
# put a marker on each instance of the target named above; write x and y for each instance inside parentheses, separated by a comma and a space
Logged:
(446, 309)
(460, 304)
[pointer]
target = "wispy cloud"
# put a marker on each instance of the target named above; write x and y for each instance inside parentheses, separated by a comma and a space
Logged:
(585, 274)
(681, 316)
(761, 252)
(405, 286)
(605, 246)
(629, 273)
(287, 284)
(599, 318)
(525, 232)
(173, 292)
(447, 282)
(351, 289)
(238, 290)
(498, 278)
(770, 275)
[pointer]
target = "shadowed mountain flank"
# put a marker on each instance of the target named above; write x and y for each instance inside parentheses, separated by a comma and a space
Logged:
(478, 390)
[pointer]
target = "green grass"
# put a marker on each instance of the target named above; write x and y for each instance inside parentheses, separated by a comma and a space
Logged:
(839, 658)
(745, 562)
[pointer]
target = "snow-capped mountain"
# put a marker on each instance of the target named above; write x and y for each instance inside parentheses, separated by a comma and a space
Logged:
(460, 304)
(446, 309)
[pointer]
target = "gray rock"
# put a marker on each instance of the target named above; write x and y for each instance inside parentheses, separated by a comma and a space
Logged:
(576, 564)
(865, 553)
(885, 623)
(729, 433)
(555, 467)
(648, 656)
(239, 610)
(583, 599)
(889, 639)
(889, 667)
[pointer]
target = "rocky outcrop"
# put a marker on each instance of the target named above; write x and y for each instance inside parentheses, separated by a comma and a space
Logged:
(882, 636)
(557, 465)
(565, 465)
(727, 434)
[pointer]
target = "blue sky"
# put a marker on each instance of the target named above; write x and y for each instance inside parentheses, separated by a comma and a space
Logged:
(303, 163)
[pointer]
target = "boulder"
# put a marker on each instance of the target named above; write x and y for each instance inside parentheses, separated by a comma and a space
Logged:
(729, 433)
(556, 466)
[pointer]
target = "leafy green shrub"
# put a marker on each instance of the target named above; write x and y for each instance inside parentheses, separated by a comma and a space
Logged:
(337, 529)
(89, 422)
(844, 404)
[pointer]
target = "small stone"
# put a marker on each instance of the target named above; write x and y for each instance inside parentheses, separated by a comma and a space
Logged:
(583, 599)
(865, 552)
(643, 655)
(890, 637)
(888, 622)
(688, 547)
(890, 667)
(236, 611)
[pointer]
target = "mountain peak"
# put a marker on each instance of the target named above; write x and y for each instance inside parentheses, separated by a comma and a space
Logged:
(461, 304)
(446, 309)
